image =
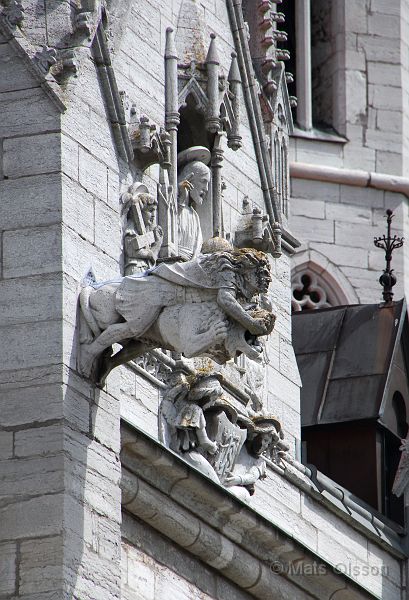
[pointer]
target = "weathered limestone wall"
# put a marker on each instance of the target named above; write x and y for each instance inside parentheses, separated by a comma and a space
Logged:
(372, 75)
(340, 222)
(332, 538)
(60, 182)
(369, 61)
(152, 565)
(32, 410)
(292, 535)
(60, 498)
(91, 238)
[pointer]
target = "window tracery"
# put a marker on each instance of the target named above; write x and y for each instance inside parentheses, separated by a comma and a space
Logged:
(308, 292)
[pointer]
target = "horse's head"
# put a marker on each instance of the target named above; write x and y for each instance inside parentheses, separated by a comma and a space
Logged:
(241, 341)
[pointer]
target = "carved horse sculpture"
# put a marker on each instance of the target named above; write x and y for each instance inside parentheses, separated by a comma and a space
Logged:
(199, 308)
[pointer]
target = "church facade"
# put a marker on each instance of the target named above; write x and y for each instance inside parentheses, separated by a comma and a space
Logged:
(150, 432)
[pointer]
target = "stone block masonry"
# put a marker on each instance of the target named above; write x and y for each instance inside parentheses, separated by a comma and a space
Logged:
(59, 498)
(60, 184)
(342, 231)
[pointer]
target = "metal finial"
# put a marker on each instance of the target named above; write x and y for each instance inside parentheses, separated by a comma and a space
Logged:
(389, 244)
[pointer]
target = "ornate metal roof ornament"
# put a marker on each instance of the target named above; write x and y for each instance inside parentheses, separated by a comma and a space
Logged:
(389, 244)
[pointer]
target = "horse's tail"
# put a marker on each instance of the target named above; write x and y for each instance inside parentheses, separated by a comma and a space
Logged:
(87, 312)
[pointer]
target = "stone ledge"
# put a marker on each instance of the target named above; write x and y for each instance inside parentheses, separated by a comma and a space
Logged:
(216, 527)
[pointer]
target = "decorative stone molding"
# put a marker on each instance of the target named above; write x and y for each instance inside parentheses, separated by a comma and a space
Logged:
(264, 40)
(201, 78)
(115, 109)
(257, 125)
(353, 177)
(200, 516)
(309, 292)
(157, 365)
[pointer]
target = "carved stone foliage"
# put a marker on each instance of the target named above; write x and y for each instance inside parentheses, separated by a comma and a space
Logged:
(204, 307)
(265, 38)
(198, 422)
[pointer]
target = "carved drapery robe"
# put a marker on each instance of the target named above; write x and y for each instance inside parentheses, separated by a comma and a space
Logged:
(165, 285)
(190, 233)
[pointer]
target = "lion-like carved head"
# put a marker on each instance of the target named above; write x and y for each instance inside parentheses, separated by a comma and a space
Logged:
(246, 268)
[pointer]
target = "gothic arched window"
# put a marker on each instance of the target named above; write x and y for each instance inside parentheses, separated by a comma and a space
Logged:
(318, 283)
(308, 292)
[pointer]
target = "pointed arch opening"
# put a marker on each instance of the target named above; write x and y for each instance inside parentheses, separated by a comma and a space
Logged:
(318, 283)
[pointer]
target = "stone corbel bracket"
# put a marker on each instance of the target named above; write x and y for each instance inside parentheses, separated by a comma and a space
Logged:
(88, 16)
(68, 59)
(260, 234)
(34, 59)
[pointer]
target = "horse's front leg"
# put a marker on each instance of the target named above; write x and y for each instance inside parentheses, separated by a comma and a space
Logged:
(215, 333)
(90, 352)
(130, 351)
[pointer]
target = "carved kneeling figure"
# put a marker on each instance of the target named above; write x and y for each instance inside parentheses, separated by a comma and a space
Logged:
(263, 433)
(201, 307)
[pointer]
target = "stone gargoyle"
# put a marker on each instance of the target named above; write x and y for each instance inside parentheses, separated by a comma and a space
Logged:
(203, 307)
